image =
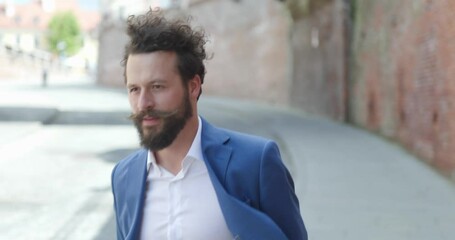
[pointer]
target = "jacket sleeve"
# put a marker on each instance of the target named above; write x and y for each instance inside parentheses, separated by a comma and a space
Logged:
(277, 195)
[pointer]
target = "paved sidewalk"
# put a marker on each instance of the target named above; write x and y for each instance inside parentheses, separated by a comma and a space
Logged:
(351, 184)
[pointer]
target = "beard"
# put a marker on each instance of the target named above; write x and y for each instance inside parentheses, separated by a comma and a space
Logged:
(162, 135)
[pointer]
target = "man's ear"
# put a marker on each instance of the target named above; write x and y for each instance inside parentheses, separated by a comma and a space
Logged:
(194, 86)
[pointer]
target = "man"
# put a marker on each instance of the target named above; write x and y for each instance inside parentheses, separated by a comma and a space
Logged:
(192, 180)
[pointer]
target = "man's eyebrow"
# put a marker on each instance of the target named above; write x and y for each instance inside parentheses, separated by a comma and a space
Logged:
(158, 80)
(155, 81)
(130, 85)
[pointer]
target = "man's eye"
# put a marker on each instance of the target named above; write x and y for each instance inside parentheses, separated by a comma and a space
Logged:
(158, 86)
(134, 89)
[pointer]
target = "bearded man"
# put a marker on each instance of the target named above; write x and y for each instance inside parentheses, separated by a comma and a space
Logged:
(192, 180)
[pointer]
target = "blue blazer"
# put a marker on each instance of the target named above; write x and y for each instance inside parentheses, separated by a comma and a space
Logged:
(254, 189)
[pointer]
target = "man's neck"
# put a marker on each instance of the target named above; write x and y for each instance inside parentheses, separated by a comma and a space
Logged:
(171, 157)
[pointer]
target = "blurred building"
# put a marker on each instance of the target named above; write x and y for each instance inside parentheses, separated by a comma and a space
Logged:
(23, 30)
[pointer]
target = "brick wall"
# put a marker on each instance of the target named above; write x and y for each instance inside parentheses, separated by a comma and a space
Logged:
(319, 64)
(249, 40)
(403, 72)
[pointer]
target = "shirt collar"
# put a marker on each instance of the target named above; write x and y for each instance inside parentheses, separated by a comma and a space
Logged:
(194, 152)
(196, 148)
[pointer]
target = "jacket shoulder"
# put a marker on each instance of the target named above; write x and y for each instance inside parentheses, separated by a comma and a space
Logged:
(245, 140)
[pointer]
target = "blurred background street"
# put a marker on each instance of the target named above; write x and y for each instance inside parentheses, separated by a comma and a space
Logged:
(359, 95)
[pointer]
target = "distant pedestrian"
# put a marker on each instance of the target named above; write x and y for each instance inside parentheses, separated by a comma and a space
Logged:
(44, 76)
(192, 180)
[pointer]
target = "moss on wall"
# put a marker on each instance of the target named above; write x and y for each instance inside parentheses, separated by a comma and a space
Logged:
(302, 8)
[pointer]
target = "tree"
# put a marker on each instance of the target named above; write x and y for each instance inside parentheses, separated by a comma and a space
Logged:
(64, 34)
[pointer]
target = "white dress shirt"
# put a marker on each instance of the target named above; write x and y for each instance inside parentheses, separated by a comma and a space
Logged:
(182, 206)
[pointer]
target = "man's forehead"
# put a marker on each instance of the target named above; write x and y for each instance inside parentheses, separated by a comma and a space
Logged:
(154, 66)
(159, 59)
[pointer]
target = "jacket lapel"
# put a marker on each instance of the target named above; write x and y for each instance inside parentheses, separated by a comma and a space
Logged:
(215, 151)
(135, 190)
(243, 221)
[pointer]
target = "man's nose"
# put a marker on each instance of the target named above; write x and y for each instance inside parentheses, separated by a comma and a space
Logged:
(146, 101)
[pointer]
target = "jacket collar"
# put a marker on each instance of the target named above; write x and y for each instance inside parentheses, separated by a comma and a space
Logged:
(217, 153)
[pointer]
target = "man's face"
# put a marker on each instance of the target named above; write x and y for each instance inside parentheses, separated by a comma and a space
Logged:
(159, 100)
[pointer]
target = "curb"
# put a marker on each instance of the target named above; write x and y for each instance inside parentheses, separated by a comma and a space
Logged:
(53, 116)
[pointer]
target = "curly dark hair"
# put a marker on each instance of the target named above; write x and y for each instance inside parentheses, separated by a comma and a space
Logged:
(152, 32)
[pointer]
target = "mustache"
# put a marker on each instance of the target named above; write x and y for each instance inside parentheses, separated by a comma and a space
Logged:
(152, 113)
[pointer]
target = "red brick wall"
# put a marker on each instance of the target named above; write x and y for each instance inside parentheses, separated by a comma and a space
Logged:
(403, 82)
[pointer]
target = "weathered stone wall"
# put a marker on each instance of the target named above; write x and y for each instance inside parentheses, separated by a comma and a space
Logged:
(318, 39)
(248, 40)
(403, 70)
(112, 40)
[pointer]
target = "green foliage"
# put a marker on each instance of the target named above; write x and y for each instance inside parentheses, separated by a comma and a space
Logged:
(64, 34)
